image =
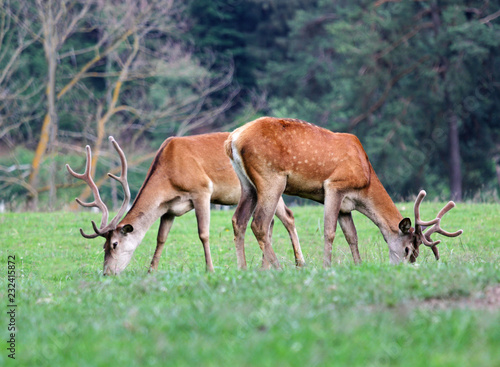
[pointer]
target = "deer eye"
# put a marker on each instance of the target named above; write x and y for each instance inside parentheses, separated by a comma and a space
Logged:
(407, 251)
(114, 245)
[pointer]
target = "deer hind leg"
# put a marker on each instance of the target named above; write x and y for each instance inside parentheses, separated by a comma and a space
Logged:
(333, 200)
(347, 225)
(285, 215)
(265, 264)
(244, 211)
(267, 201)
(202, 209)
(166, 222)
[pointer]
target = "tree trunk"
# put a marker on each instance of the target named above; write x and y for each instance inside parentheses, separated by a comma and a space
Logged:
(453, 136)
(497, 167)
(48, 134)
(496, 161)
(51, 106)
(454, 158)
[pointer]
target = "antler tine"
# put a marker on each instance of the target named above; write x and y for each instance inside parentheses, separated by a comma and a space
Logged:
(437, 227)
(435, 251)
(123, 181)
(94, 235)
(98, 203)
(97, 231)
(416, 209)
(428, 242)
(446, 209)
(81, 176)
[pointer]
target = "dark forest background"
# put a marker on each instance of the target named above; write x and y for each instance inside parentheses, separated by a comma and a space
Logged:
(417, 81)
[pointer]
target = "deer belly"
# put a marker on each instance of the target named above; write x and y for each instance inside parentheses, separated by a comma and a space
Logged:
(297, 185)
(226, 194)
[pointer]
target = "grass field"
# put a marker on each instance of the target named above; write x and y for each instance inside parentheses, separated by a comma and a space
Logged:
(432, 314)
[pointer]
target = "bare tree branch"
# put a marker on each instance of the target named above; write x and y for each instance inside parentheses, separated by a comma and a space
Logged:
(382, 2)
(380, 102)
(490, 17)
(403, 39)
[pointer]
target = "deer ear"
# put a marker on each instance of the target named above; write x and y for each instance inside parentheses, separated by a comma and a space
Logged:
(127, 228)
(405, 225)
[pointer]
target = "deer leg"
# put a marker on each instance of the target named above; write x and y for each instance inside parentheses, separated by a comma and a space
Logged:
(347, 225)
(244, 211)
(262, 218)
(202, 210)
(166, 222)
(265, 263)
(333, 201)
(285, 215)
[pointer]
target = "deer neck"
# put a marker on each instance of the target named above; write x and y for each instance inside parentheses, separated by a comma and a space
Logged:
(379, 207)
(142, 215)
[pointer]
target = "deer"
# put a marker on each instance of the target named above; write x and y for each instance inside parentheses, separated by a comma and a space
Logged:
(276, 156)
(187, 173)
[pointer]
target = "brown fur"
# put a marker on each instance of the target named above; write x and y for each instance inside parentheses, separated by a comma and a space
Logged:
(297, 158)
(187, 173)
(188, 164)
(306, 154)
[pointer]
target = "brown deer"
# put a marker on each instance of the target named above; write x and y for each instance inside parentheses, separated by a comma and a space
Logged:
(272, 156)
(187, 173)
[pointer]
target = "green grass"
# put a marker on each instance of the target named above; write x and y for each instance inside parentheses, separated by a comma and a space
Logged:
(368, 315)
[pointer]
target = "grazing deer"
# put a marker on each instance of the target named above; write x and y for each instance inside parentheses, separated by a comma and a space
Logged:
(187, 172)
(272, 156)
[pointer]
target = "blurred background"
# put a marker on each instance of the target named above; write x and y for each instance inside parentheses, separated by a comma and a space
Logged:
(417, 81)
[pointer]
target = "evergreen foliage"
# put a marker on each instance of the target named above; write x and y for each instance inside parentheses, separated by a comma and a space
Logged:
(407, 77)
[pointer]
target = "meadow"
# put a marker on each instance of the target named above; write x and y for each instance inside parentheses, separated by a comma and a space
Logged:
(434, 313)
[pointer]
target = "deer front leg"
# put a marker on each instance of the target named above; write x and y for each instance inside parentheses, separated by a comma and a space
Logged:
(333, 201)
(285, 215)
(347, 225)
(244, 211)
(202, 210)
(166, 222)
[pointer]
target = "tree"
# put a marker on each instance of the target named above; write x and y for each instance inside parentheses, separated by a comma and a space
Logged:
(58, 20)
(19, 91)
(399, 75)
(14, 86)
(119, 66)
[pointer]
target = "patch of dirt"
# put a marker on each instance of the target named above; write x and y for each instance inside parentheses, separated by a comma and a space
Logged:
(488, 300)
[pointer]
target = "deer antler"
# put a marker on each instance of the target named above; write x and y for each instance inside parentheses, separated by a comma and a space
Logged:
(123, 181)
(98, 203)
(421, 226)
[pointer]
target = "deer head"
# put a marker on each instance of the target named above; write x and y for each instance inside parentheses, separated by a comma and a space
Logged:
(423, 230)
(120, 244)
